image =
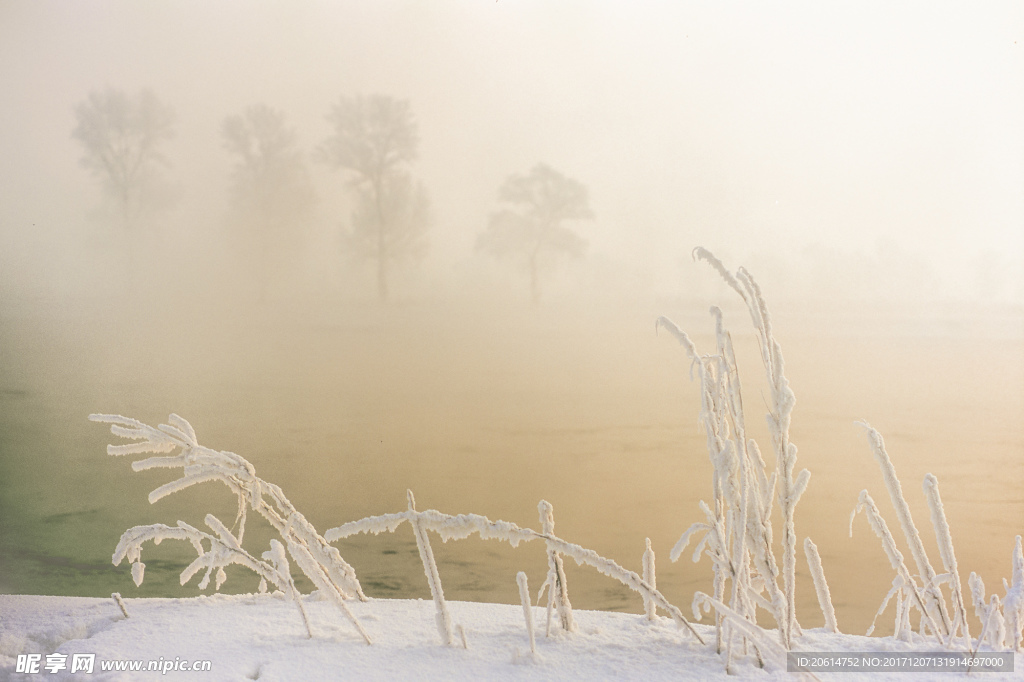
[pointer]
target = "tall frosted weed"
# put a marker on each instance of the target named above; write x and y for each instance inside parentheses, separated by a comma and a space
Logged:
(737, 530)
(934, 601)
(1000, 619)
(820, 584)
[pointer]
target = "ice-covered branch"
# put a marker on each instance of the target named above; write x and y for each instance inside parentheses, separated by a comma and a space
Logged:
(321, 562)
(223, 551)
(461, 526)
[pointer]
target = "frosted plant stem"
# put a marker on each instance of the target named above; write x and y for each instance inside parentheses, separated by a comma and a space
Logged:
(442, 616)
(758, 636)
(318, 575)
(558, 588)
(779, 418)
(990, 627)
(977, 587)
(738, 532)
(463, 525)
(820, 585)
(1013, 602)
(648, 563)
(877, 523)
(945, 541)
(322, 563)
(933, 596)
(305, 619)
(116, 596)
(524, 597)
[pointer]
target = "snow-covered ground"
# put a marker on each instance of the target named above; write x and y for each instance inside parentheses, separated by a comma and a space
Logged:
(262, 637)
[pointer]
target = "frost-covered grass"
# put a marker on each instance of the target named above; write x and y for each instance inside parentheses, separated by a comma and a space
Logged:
(737, 530)
(737, 535)
(1002, 621)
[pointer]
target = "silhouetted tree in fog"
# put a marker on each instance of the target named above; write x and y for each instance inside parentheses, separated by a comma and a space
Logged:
(530, 226)
(375, 140)
(122, 137)
(271, 191)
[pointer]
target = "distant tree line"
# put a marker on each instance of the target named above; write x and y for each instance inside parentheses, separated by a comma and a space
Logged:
(373, 142)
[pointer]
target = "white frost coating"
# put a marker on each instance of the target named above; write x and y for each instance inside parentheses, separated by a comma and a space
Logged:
(318, 574)
(820, 585)
(933, 596)
(223, 551)
(778, 418)
(945, 542)
(899, 586)
(1013, 603)
(371, 524)
(906, 584)
(322, 563)
(116, 596)
(463, 525)
(524, 597)
(277, 558)
(648, 563)
(138, 570)
(442, 615)
(737, 532)
(977, 587)
(555, 582)
(993, 624)
(759, 637)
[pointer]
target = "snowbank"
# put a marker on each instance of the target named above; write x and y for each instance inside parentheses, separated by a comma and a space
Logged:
(262, 637)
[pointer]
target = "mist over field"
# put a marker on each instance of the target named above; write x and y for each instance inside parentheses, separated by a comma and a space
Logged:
(864, 161)
(856, 151)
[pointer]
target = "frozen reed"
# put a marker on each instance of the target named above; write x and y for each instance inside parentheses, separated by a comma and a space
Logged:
(1001, 619)
(820, 584)
(524, 597)
(321, 562)
(737, 533)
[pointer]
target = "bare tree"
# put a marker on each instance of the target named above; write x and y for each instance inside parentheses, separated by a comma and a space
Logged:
(375, 141)
(271, 191)
(122, 136)
(530, 227)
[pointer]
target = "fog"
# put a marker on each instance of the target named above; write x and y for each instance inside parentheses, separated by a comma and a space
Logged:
(864, 161)
(858, 150)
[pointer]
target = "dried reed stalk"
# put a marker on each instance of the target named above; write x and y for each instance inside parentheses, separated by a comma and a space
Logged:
(321, 562)
(820, 585)
(934, 600)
